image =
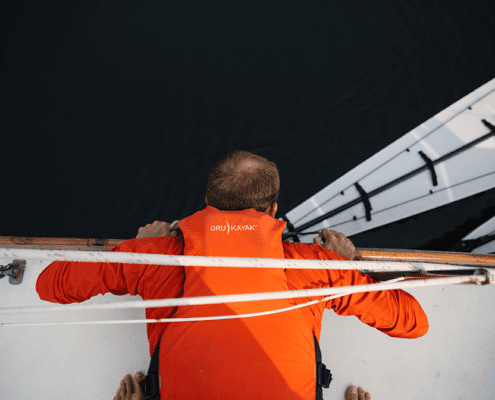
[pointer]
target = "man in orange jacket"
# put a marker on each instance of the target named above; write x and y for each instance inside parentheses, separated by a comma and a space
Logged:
(273, 356)
(334, 241)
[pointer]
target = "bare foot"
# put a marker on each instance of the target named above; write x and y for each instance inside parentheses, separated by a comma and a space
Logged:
(359, 395)
(127, 391)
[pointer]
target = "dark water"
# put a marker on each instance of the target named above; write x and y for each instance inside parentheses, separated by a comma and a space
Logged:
(114, 112)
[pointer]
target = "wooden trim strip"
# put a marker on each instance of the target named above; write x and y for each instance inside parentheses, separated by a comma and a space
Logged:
(48, 241)
(481, 260)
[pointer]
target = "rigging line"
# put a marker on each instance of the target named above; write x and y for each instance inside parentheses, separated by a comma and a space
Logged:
(177, 319)
(220, 262)
(135, 321)
(481, 276)
(397, 180)
(289, 234)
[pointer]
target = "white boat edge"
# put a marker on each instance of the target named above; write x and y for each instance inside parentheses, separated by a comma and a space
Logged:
(88, 361)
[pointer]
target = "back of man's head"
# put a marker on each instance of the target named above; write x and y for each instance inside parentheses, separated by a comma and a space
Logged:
(243, 180)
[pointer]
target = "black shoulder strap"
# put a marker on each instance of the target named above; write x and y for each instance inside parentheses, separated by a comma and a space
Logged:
(150, 385)
(323, 375)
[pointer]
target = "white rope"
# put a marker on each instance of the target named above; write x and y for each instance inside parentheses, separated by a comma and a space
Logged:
(235, 262)
(136, 321)
(345, 290)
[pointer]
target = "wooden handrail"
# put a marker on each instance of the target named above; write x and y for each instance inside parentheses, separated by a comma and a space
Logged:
(440, 257)
(367, 254)
(49, 241)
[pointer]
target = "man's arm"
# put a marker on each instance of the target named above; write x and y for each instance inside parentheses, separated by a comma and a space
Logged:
(393, 312)
(74, 282)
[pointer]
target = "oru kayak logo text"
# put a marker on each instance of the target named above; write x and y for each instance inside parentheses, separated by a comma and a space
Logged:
(234, 228)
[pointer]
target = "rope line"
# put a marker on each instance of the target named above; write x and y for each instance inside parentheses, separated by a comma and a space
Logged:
(346, 290)
(230, 262)
(136, 321)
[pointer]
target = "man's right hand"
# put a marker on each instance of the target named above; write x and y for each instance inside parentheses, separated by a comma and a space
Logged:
(338, 242)
(156, 229)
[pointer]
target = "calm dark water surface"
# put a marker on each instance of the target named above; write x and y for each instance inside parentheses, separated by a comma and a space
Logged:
(113, 113)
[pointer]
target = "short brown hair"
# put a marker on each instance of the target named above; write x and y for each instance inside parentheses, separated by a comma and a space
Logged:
(243, 180)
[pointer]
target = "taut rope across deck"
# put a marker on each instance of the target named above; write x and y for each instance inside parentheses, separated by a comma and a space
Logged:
(232, 262)
(481, 276)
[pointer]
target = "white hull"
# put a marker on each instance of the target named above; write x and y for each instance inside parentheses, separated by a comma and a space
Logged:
(454, 360)
(462, 175)
(485, 230)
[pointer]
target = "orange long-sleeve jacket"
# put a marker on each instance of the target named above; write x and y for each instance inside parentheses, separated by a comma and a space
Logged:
(270, 356)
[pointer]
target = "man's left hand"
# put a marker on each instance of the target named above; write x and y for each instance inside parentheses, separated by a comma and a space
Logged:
(156, 229)
(338, 242)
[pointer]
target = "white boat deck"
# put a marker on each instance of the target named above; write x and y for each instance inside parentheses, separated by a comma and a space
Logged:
(454, 360)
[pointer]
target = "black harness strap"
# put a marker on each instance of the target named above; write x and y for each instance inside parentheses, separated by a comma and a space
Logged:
(150, 386)
(291, 228)
(323, 375)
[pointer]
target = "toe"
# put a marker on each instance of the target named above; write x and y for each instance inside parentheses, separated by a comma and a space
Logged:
(361, 394)
(128, 384)
(367, 396)
(122, 390)
(351, 393)
(138, 377)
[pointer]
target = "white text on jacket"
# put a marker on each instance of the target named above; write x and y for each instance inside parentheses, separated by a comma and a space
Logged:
(232, 227)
